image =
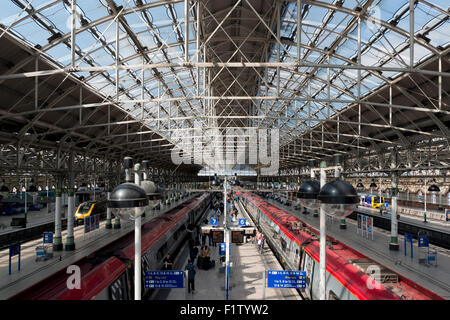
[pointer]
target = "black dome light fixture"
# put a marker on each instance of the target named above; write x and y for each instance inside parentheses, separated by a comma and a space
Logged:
(128, 200)
(338, 198)
(308, 193)
(235, 181)
(373, 185)
(216, 181)
(32, 188)
(434, 188)
(360, 185)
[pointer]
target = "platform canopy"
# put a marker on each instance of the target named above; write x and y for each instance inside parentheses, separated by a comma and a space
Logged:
(103, 79)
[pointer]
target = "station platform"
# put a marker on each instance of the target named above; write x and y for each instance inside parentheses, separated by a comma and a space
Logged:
(32, 271)
(435, 278)
(435, 224)
(34, 218)
(245, 279)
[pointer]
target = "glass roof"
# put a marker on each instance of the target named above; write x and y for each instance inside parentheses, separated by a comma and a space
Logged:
(160, 28)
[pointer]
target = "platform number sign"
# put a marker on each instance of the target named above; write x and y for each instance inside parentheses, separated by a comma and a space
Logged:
(222, 247)
(386, 204)
(14, 250)
(97, 222)
(214, 221)
(242, 222)
(423, 241)
(48, 237)
(87, 225)
(286, 279)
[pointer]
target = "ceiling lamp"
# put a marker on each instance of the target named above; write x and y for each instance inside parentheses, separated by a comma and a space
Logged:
(308, 193)
(434, 188)
(338, 198)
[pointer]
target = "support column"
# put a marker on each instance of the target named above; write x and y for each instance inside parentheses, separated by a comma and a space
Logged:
(117, 223)
(311, 165)
(108, 224)
(70, 240)
(337, 175)
(323, 237)
(137, 258)
(394, 245)
(57, 243)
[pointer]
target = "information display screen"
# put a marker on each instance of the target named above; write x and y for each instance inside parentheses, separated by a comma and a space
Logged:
(217, 236)
(237, 236)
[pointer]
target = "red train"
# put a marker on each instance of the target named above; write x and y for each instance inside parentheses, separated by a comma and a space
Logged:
(107, 274)
(297, 246)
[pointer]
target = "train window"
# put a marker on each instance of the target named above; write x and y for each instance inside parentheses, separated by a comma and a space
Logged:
(161, 251)
(175, 235)
(117, 289)
(283, 244)
(332, 296)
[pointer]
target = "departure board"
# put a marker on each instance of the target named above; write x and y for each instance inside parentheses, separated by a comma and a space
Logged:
(217, 236)
(237, 236)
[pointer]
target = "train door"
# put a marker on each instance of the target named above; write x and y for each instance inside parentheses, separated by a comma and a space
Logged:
(308, 266)
(294, 255)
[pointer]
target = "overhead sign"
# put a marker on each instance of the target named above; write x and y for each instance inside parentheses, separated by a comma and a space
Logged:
(286, 279)
(167, 279)
(386, 204)
(48, 237)
(214, 221)
(242, 222)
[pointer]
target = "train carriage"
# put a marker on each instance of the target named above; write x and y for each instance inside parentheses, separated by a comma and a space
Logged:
(349, 272)
(107, 274)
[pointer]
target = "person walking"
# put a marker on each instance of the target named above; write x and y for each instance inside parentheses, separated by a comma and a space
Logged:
(191, 276)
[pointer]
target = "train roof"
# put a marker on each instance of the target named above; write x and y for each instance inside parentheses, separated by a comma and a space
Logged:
(344, 263)
(103, 266)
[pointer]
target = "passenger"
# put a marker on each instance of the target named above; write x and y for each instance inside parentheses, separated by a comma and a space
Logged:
(203, 239)
(263, 240)
(193, 252)
(259, 240)
(191, 276)
(167, 263)
(210, 239)
(206, 258)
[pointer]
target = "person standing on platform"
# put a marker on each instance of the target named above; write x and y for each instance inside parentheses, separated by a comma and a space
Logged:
(203, 239)
(263, 240)
(167, 263)
(257, 237)
(210, 239)
(191, 276)
(193, 252)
